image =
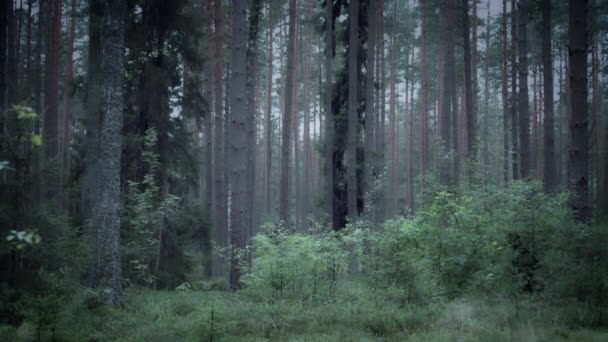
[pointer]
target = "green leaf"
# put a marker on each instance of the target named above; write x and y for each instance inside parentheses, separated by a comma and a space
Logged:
(36, 140)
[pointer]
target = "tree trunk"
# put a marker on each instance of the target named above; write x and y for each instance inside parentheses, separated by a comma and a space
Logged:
(423, 162)
(329, 117)
(284, 207)
(268, 116)
(307, 151)
(67, 109)
(471, 120)
(239, 139)
(505, 99)
(208, 119)
(448, 95)
(486, 118)
(3, 50)
(514, 122)
(370, 150)
(578, 161)
(524, 114)
(220, 212)
(51, 118)
(105, 210)
(251, 82)
(353, 84)
(392, 132)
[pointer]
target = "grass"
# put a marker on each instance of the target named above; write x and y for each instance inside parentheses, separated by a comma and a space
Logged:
(354, 314)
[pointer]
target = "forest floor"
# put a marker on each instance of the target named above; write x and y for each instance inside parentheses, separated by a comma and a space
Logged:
(353, 315)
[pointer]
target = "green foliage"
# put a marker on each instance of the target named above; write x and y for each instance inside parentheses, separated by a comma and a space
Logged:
(145, 210)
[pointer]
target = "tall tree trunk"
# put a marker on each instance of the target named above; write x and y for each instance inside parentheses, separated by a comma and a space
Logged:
(524, 113)
(392, 132)
(505, 99)
(307, 167)
(471, 120)
(329, 117)
(295, 131)
(239, 138)
(51, 118)
(423, 134)
(208, 119)
(105, 209)
(284, 207)
(448, 96)
(3, 50)
(251, 79)
(268, 115)
(220, 211)
(514, 122)
(409, 139)
(370, 114)
(486, 117)
(67, 108)
(578, 161)
(353, 101)
(12, 70)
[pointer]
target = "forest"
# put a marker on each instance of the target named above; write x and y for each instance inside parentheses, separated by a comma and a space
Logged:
(303, 170)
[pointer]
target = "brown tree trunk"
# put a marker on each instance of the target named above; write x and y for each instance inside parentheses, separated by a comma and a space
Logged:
(370, 114)
(448, 97)
(578, 161)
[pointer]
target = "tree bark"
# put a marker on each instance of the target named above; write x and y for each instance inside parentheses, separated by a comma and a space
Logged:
(284, 207)
(329, 117)
(51, 103)
(514, 122)
(448, 95)
(370, 114)
(524, 113)
(268, 116)
(471, 120)
(353, 84)
(505, 96)
(105, 210)
(251, 82)
(238, 140)
(423, 160)
(578, 161)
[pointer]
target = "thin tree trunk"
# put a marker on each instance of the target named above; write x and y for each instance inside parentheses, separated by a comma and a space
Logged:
(353, 84)
(307, 168)
(524, 114)
(51, 118)
(486, 118)
(370, 115)
(392, 144)
(471, 120)
(220, 211)
(67, 108)
(268, 116)
(251, 84)
(448, 96)
(514, 122)
(423, 160)
(329, 118)
(505, 99)
(578, 161)
(284, 207)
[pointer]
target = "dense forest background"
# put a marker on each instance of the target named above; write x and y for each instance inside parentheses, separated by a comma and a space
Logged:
(316, 169)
